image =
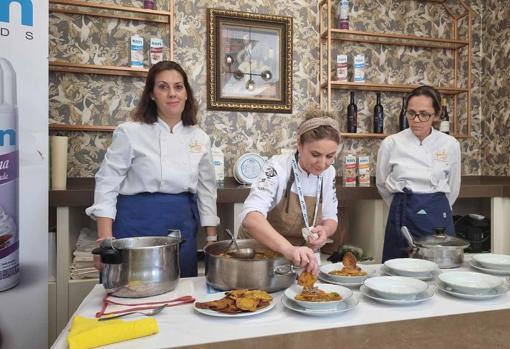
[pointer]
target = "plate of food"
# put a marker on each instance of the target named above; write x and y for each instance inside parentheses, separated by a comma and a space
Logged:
(235, 303)
(348, 271)
(321, 296)
(349, 304)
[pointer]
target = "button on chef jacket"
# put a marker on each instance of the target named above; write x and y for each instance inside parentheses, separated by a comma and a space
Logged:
(155, 158)
(430, 166)
(269, 188)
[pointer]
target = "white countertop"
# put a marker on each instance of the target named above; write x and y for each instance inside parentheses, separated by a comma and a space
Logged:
(182, 326)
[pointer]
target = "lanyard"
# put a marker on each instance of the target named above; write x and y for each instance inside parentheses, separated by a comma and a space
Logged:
(302, 202)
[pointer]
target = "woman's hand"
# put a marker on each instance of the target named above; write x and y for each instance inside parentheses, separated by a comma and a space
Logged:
(321, 234)
(302, 256)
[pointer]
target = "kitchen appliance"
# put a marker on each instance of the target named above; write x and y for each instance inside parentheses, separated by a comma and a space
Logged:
(224, 272)
(444, 250)
(476, 229)
(141, 266)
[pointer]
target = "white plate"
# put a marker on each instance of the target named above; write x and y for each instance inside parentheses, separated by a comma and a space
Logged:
(470, 282)
(495, 292)
(411, 266)
(327, 278)
(430, 276)
(248, 167)
(493, 261)
(326, 268)
(476, 265)
(216, 296)
(396, 287)
(349, 304)
(294, 290)
(420, 297)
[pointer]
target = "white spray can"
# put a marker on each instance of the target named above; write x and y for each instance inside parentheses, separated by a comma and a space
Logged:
(9, 234)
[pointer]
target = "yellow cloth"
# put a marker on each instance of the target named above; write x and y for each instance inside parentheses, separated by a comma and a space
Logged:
(89, 333)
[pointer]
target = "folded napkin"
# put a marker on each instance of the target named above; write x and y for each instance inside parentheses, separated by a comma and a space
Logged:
(90, 333)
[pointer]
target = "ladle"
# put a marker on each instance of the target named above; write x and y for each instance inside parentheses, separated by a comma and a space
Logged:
(240, 253)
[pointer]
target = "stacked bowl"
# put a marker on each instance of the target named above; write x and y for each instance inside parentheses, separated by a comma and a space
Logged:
(411, 267)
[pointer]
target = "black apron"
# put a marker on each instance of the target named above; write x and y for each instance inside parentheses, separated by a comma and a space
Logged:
(420, 213)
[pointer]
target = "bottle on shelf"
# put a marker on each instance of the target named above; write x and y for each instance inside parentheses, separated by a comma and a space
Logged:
(444, 126)
(343, 14)
(378, 115)
(352, 115)
(148, 4)
(403, 123)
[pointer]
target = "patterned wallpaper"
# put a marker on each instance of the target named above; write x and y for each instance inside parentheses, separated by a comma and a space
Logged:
(496, 89)
(96, 99)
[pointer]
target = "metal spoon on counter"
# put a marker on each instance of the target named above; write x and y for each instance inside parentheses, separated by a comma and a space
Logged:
(241, 253)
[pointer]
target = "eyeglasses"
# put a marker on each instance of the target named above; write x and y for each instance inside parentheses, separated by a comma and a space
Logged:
(422, 116)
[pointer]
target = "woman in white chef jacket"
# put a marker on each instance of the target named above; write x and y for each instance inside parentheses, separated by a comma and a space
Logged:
(418, 174)
(292, 208)
(158, 174)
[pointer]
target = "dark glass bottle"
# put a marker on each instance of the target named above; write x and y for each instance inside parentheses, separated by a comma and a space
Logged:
(444, 126)
(378, 115)
(403, 123)
(352, 115)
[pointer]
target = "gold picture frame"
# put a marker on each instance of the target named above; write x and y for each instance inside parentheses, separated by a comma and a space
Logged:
(249, 62)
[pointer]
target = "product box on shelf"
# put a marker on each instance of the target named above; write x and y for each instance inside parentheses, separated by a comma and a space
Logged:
(349, 173)
(156, 51)
(341, 68)
(136, 51)
(363, 171)
(359, 68)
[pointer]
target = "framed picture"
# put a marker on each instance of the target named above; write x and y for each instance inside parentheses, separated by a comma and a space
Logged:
(249, 62)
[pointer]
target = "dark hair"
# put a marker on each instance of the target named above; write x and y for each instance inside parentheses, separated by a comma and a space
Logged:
(428, 91)
(146, 111)
(321, 132)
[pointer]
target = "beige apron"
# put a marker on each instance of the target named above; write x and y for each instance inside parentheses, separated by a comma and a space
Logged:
(287, 219)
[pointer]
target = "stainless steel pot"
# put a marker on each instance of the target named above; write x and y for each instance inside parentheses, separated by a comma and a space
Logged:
(141, 266)
(444, 250)
(224, 273)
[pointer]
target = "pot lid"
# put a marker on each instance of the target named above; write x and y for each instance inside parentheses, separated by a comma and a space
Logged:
(440, 239)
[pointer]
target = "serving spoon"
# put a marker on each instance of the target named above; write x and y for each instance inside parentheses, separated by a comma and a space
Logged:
(146, 313)
(240, 253)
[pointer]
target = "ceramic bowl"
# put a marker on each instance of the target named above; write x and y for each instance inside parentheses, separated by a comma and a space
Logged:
(411, 266)
(396, 287)
(469, 282)
(326, 268)
(344, 292)
(493, 261)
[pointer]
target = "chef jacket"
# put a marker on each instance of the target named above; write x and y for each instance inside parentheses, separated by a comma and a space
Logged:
(429, 166)
(156, 158)
(269, 188)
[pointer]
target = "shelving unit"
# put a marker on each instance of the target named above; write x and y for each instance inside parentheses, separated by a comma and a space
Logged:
(328, 35)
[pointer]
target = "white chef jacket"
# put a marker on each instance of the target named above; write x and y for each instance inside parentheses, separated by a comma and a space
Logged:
(430, 166)
(155, 158)
(268, 190)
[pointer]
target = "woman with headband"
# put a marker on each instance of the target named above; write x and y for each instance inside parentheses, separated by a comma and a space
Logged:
(292, 208)
(418, 174)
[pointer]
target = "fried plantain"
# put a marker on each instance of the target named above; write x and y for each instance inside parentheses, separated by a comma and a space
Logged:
(306, 279)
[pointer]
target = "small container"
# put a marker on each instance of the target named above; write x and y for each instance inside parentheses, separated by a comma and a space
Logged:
(219, 165)
(136, 51)
(363, 171)
(341, 68)
(359, 68)
(156, 51)
(350, 171)
(343, 14)
(148, 4)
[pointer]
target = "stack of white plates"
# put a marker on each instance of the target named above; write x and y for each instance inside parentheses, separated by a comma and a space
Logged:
(349, 281)
(470, 285)
(498, 264)
(396, 290)
(410, 267)
(248, 167)
(347, 302)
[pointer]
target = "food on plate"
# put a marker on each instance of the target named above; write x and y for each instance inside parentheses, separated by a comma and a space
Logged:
(311, 293)
(238, 301)
(350, 268)
(259, 254)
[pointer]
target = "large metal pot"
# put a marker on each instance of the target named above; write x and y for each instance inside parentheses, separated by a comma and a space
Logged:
(444, 250)
(140, 266)
(225, 273)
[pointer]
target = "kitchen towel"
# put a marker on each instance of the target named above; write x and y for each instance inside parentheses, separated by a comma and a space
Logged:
(89, 333)
(58, 145)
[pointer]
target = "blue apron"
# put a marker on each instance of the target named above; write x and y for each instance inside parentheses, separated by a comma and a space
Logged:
(152, 214)
(420, 213)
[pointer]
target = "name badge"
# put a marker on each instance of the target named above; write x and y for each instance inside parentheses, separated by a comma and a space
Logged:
(195, 147)
(441, 156)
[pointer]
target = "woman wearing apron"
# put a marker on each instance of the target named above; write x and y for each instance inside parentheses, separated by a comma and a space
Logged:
(418, 174)
(158, 174)
(292, 208)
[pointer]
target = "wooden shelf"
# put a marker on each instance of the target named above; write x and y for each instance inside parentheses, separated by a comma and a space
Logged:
(90, 9)
(80, 128)
(363, 86)
(363, 135)
(96, 69)
(393, 39)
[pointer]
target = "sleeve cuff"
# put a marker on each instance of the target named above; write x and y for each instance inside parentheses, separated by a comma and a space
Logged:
(209, 221)
(95, 211)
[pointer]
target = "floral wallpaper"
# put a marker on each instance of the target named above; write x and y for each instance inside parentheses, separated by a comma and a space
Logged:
(108, 100)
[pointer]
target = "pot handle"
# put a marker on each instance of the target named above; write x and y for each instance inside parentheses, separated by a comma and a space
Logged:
(284, 269)
(108, 255)
(176, 234)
